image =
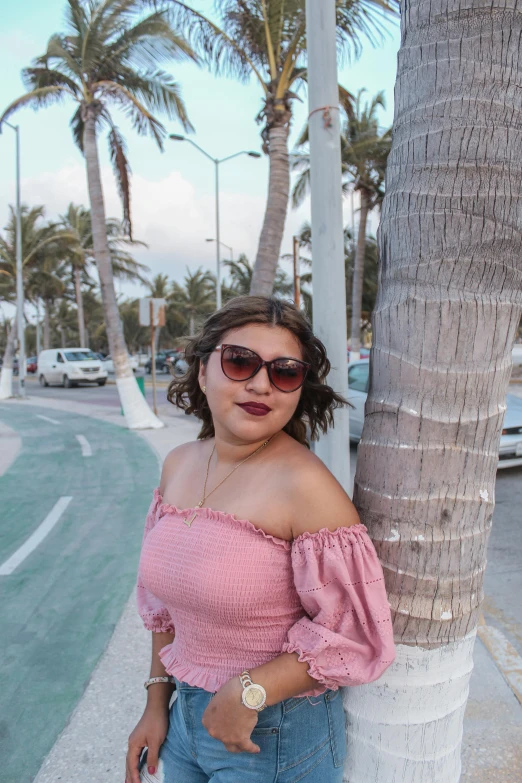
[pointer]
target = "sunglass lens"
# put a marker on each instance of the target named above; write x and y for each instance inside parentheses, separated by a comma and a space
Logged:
(239, 365)
(288, 375)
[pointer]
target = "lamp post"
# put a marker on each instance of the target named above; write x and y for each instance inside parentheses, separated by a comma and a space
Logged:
(224, 245)
(19, 280)
(216, 162)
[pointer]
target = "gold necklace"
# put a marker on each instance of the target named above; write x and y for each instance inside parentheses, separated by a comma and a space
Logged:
(189, 521)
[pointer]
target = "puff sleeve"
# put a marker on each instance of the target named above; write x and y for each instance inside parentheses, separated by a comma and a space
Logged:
(346, 636)
(152, 611)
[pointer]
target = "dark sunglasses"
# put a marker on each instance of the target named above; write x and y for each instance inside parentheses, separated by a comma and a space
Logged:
(241, 364)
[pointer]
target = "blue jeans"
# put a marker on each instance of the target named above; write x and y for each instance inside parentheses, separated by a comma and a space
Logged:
(300, 739)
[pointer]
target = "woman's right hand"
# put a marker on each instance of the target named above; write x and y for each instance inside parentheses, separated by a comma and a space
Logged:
(150, 732)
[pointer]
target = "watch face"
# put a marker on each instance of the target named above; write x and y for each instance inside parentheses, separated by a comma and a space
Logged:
(253, 696)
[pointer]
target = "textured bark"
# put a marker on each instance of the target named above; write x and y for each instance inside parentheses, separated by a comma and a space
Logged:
(448, 307)
(358, 279)
(79, 307)
(136, 409)
(275, 214)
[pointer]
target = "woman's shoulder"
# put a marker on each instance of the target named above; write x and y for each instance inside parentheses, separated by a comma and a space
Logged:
(318, 500)
(179, 457)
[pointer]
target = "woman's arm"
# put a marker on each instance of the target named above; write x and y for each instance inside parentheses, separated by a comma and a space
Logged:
(159, 694)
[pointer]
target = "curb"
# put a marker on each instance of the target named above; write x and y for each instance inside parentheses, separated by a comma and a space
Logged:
(506, 658)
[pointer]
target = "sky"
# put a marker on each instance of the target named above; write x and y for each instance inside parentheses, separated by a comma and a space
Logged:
(173, 202)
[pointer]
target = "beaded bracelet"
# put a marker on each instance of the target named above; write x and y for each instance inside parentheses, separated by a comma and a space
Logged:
(154, 680)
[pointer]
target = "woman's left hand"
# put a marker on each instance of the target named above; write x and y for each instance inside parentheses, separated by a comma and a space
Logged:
(228, 720)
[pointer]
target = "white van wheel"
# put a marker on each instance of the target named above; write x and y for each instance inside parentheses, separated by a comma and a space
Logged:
(43, 382)
(66, 382)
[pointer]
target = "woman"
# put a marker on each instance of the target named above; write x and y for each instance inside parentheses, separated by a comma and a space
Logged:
(268, 597)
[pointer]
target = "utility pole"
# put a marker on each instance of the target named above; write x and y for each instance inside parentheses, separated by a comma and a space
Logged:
(329, 289)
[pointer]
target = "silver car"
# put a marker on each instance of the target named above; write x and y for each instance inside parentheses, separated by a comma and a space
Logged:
(510, 452)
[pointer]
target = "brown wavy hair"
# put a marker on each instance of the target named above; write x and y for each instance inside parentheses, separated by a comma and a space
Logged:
(314, 413)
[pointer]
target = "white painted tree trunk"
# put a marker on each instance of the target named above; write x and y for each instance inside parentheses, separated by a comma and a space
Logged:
(136, 409)
(273, 229)
(6, 373)
(358, 280)
(79, 307)
(447, 311)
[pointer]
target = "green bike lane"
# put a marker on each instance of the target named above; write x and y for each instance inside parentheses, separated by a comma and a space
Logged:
(59, 607)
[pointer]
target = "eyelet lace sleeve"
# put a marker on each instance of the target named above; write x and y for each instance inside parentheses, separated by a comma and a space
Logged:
(346, 636)
(152, 611)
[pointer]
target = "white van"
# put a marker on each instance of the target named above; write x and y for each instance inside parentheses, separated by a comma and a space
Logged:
(68, 366)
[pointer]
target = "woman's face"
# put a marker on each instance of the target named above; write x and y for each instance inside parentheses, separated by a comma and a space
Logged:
(270, 409)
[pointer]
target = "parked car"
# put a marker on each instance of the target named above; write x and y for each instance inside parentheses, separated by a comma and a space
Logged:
(31, 364)
(364, 353)
(180, 366)
(69, 367)
(510, 450)
(108, 364)
(165, 361)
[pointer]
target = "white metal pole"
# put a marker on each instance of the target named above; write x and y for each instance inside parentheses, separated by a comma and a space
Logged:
(218, 242)
(19, 279)
(329, 290)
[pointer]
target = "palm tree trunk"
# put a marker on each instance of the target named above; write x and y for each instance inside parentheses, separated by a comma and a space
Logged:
(79, 307)
(358, 279)
(47, 324)
(6, 373)
(136, 410)
(192, 328)
(275, 214)
(444, 323)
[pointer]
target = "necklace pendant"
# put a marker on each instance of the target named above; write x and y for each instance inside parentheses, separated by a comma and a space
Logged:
(189, 520)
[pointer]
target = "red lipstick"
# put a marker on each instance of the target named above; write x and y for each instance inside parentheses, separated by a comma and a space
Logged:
(255, 408)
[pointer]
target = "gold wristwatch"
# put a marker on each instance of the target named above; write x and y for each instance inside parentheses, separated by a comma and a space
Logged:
(254, 695)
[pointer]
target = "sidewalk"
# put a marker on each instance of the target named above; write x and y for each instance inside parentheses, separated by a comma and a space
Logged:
(92, 747)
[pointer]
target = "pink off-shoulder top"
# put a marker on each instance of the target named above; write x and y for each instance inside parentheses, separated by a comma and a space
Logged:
(236, 598)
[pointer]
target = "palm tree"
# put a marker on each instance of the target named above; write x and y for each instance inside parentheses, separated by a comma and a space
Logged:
(371, 256)
(77, 219)
(364, 152)
(159, 289)
(447, 312)
(196, 298)
(241, 273)
(110, 56)
(267, 39)
(42, 244)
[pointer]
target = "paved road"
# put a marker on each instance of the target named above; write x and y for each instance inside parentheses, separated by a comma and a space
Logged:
(59, 607)
(93, 394)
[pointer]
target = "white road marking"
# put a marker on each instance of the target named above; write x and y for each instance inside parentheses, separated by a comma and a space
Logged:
(47, 418)
(86, 446)
(36, 538)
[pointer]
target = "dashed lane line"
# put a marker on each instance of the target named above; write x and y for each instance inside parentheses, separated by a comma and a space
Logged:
(86, 446)
(36, 538)
(47, 418)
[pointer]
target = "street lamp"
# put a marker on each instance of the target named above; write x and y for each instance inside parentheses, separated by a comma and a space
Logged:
(216, 162)
(19, 280)
(224, 245)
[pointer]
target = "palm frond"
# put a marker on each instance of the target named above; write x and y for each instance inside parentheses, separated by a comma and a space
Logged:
(77, 127)
(159, 91)
(121, 168)
(218, 47)
(147, 43)
(43, 96)
(39, 76)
